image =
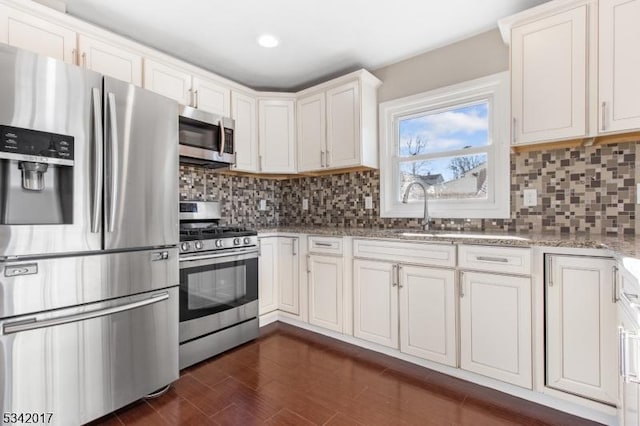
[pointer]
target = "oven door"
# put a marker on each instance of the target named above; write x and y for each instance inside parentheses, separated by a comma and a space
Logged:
(217, 291)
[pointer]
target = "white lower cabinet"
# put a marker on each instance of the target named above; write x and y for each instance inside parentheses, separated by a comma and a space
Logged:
(375, 310)
(495, 326)
(287, 273)
(325, 291)
(581, 327)
(411, 308)
(267, 275)
(428, 313)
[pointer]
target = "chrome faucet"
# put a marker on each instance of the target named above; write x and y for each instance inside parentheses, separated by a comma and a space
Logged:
(426, 220)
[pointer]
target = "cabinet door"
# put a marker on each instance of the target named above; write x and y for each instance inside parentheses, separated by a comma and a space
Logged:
(629, 392)
(375, 297)
(343, 126)
(428, 313)
(325, 291)
(268, 275)
(277, 136)
(549, 77)
(37, 35)
(495, 326)
(311, 133)
(580, 326)
(110, 60)
(168, 81)
(619, 60)
(211, 96)
(288, 282)
(244, 112)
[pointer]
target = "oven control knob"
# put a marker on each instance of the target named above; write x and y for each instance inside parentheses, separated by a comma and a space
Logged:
(247, 240)
(219, 243)
(236, 241)
(185, 246)
(198, 245)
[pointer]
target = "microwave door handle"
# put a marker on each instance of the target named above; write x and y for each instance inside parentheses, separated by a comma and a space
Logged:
(113, 164)
(222, 137)
(98, 160)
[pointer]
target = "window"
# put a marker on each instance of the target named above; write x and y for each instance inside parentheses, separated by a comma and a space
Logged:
(454, 141)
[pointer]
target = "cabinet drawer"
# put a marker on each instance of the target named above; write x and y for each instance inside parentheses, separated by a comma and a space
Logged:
(406, 252)
(325, 245)
(495, 259)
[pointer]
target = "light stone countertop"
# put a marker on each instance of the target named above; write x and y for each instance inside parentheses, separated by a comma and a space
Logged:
(622, 246)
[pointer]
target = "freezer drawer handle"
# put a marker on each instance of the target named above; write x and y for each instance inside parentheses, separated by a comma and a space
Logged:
(33, 323)
(24, 269)
(159, 255)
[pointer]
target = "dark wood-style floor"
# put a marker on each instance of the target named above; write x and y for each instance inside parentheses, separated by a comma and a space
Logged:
(291, 376)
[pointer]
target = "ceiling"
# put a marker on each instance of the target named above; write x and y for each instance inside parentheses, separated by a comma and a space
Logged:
(318, 38)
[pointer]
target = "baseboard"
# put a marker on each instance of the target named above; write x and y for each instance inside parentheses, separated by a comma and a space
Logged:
(602, 414)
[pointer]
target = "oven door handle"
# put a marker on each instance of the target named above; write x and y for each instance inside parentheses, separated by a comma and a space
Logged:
(236, 255)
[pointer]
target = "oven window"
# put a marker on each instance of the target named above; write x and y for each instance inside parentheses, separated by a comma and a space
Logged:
(208, 289)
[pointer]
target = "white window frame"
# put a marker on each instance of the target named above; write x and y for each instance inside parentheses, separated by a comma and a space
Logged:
(494, 89)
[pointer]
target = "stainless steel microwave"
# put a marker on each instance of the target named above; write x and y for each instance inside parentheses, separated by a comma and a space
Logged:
(206, 139)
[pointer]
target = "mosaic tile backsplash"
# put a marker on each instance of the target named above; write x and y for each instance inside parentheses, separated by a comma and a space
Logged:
(586, 189)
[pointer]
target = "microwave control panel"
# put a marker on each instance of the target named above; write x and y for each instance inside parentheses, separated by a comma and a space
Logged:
(33, 145)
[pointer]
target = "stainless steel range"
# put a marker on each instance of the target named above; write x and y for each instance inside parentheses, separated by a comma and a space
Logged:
(218, 283)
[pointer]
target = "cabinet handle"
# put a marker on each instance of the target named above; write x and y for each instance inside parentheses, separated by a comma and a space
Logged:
(319, 244)
(549, 272)
(235, 160)
(461, 285)
(399, 270)
(195, 99)
(394, 273)
(326, 158)
(294, 246)
(603, 118)
(84, 59)
(513, 129)
(260, 163)
(621, 354)
(190, 97)
(74, 56)
(259, 247)
(630, 296)
(615, 297)
(321, 158)
(492, 259)
(308, 264)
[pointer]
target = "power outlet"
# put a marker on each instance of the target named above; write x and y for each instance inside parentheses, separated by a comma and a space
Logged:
(530, 197)
(263, 205)
(368, 202)
(305, 204)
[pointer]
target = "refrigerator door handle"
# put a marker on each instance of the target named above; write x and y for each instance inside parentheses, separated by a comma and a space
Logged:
(98, 161)
(222, 137)
(33, 323)
(113, 164)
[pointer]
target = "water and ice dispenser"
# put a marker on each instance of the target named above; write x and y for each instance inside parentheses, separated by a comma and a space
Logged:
(36, 177)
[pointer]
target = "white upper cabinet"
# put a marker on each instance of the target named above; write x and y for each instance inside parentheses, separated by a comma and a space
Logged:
(549, 78)
(114, 61)
(211, 96)
(337, 123)
(244, 111)
(343, 126)
(312, 141)
(37, 35)
(619, 65)
(168, 81)
(277, 135)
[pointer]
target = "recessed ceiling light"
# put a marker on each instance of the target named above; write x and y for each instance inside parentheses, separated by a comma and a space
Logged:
(267, 40)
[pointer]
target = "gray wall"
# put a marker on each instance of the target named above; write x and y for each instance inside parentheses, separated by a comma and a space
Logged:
(471, 58)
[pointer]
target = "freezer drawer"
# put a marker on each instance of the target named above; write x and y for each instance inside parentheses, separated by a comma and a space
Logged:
(83, 362)
(43, 284)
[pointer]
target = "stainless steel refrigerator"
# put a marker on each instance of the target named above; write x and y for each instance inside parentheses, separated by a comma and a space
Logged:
(88, 236)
